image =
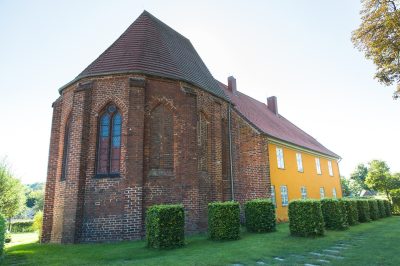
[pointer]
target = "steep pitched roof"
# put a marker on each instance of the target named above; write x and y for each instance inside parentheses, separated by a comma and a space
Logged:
(149, 46)
(273, 125)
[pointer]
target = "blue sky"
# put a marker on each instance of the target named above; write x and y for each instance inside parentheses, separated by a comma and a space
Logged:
(299, 51)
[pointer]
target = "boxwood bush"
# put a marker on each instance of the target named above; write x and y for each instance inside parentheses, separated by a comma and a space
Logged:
(165, 226)
(305, 218)
(381, 208)
(334, 212)
(351, 211)
(260, 216)
(388, 208)
(363, 211)
(373, 209)
(224, 220)
(2, 233)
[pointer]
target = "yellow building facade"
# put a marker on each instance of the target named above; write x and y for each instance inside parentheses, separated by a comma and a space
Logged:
(298, 173)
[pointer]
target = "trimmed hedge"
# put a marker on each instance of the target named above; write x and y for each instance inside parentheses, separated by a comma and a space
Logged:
(165, 226)
(373, 209)
(351, 211)
(381, 208)
(305, 218)
(334, 212)
(21, 227)
(224, 220)
(388, 208)
(363, 210)
(2, 234)
(260, 216)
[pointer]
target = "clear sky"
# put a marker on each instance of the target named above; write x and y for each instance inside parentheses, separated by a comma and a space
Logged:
(299, 51)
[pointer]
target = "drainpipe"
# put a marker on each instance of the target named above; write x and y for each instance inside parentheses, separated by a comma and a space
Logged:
(230, 151)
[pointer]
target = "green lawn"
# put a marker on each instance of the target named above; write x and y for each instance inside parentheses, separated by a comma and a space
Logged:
(375, 243)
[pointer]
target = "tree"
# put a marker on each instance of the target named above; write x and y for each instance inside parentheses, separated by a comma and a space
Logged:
(378, 36)
(359, 175)
(379, 177)
(350, 187)
(12, 197)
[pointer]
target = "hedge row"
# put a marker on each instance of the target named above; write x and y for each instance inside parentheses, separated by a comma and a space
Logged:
(2, 234)
(309, 217)
(22, 227)
(260, 216)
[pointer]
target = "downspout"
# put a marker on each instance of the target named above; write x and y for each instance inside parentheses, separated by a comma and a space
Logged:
(230, 152)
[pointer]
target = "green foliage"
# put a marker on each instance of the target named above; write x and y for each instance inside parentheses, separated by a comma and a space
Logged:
(359, 175)
(378, 37)
(260, 215)
(351, 210)
(379, 177)
(373, 209)
(395, 193)
(12, 198)
(7, 238)
(2, 233)
(165, 226)
(381, 208)
(305, 218)
(21, 227)
(335, 215)
(388, 208)
(224, 220)
(38, 222)
(363, 210)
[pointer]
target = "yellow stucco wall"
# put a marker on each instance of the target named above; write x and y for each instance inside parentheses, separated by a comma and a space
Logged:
(294, 179)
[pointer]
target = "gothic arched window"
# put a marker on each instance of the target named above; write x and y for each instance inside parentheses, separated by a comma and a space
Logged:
(67, 137)
(203, 142)
(109, 141)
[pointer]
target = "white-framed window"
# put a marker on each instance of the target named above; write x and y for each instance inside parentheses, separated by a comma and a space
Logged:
(334, 193)
(279, 157)
(330, 168)
(322, 192)
(299, 160)
(284, 196)
(273, 195)
(318, 165)
(303, 191)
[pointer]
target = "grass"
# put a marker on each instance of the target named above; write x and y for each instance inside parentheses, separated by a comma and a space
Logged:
(374, 243)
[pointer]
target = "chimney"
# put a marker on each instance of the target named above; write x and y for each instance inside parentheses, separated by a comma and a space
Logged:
(232, 84)
(272, 104)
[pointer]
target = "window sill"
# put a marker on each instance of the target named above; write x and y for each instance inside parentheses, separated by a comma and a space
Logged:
(99, 176)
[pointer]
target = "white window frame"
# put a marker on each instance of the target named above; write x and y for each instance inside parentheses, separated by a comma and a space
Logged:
(322, 192)
(303, 191)
(318, 166)
(334, 195)
(280, 158)
(299, 160)
(330, 169)
(284, 196)
(273, 196)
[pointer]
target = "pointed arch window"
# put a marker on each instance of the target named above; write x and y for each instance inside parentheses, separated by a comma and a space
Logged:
(109, 142)
(203, 142)
(67, 137)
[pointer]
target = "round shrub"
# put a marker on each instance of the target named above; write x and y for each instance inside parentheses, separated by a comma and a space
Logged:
(381, 208)
(351, 211)
(165, 226)
(334, 212)
(224, 220)
(373, 209)
(388, 208)
(305, 218)
(2, 233)
(260, 216)
(363, 210)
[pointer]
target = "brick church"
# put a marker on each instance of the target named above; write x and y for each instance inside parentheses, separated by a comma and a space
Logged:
(146, 123)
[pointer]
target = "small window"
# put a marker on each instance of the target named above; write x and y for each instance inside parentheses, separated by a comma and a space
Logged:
(284, 195)
(299, 160)
(330, 168)
(279, 157)
(322, 192)
(318, 165)
(67, 136)
(273, 195)
(303, 192)
(334, 193)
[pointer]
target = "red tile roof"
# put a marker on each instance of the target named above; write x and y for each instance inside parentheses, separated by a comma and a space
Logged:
(276, 126)
(149, 46)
